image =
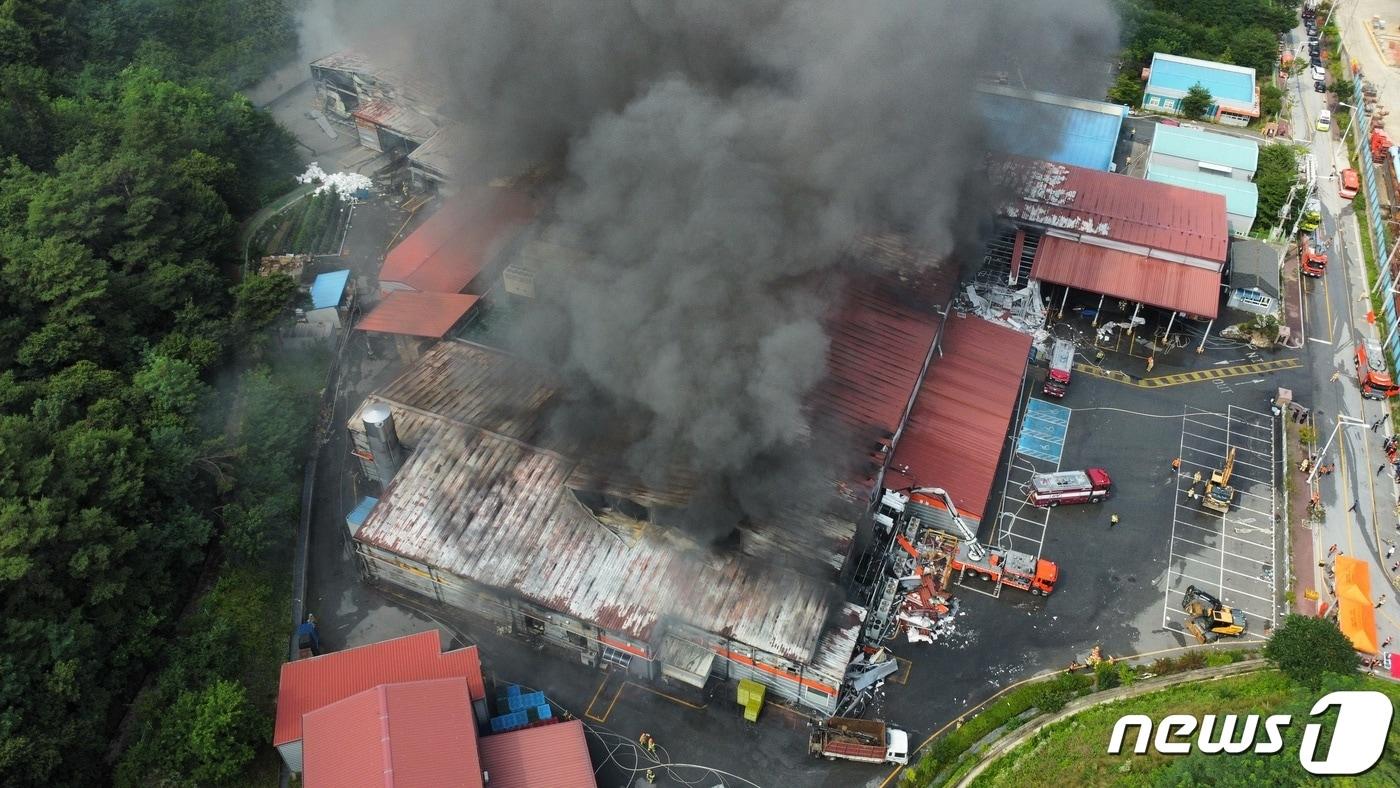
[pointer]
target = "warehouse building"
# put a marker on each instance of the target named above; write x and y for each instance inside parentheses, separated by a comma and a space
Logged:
(1233, 89)
(390, 108)
(485, 508)
(1210, 162)
(1118, 237)
(1041, 125)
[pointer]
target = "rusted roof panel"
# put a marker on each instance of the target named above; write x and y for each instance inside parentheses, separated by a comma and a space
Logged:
(550, 755)
(1159, 283)
(309, 684)
(960, 420)
(498, 513)
(449, 250)
(417, 734)
(1116, 207)
(395, 117)
(417, 314)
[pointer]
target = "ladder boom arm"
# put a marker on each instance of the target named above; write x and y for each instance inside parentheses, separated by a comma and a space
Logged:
(969, 536)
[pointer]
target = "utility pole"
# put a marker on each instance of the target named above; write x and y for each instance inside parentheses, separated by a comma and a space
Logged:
(1341, 419)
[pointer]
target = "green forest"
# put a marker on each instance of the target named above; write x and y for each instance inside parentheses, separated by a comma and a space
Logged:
(1241, 32)
(150, 447)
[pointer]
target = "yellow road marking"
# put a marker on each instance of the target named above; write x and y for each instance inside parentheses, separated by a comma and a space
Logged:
(588, 712)
(1196, 376)
(1327, 299)
(671, 698)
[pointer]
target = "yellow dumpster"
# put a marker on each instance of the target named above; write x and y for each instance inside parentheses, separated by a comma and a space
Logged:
(751, 698)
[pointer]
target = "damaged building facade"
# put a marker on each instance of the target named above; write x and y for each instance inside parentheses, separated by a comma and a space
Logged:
(487, 509)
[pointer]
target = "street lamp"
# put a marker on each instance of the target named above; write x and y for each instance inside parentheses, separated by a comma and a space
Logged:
(1341, 419)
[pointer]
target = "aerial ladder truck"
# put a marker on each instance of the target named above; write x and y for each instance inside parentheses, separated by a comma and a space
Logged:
(996, 564)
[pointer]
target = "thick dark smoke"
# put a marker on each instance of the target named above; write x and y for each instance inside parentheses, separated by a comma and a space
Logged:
(718, 159)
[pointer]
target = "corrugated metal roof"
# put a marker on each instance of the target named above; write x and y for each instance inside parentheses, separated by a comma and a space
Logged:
(1175, 75)
(437, 154)
(397, 118)
(403, 82)
(550, 755)
(1241, 197)
(1207, 146)
(1116, 207)
(1254, 265)
(327, 289)
(418, 734)
(1045, 125)
(418, 314)
(958, 427)
(499, 513)
(1159, 283)
(309, 684)
(455, 244)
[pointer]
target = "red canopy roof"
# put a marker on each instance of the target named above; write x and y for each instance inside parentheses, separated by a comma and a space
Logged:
(1159, 283)
(452, 247)
(553, 755)
(958, 427)
(418, 314)
(1116, 207)
(410, 735)
(309, 684)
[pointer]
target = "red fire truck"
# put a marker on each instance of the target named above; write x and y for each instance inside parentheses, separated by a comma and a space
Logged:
(1312, 255)
(1061, 361)
(993, 564)
(1371, 373)
(1350, 184)
(1052, 489)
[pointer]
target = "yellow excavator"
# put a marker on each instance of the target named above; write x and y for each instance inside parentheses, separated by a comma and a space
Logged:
(1208, 618)
(1219, 494)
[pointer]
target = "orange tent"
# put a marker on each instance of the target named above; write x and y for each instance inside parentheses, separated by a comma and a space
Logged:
(1356, 613)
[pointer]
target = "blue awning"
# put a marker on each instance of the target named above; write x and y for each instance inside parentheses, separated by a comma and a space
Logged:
(328, 288)
(361, 513)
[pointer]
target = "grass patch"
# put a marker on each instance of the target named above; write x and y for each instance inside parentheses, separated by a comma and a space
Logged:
(1075, 751)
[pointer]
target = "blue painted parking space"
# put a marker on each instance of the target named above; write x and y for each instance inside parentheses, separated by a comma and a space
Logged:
(1043, 431)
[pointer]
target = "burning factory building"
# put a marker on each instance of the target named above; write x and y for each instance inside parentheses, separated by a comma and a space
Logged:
(671, 464)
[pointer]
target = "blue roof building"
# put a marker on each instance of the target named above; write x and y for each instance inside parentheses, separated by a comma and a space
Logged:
(328, 289)
(1191, 149)
(1233, 89)
(1241, 197)
(1062, 129)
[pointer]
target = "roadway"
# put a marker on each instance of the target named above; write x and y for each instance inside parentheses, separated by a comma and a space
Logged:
(1360, 498)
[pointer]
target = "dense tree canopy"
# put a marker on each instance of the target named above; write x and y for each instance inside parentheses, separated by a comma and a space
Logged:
(1242, 32)
(1306, 649)
(125, 163)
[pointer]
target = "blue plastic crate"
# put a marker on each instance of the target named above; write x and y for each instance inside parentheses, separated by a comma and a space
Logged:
(542, 712)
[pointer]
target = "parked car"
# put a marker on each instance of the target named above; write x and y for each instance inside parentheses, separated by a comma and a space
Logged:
(1320, 86)
(1324, 120)
(1319, 73)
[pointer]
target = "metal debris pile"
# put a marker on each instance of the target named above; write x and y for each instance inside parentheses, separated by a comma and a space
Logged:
(1021, 309)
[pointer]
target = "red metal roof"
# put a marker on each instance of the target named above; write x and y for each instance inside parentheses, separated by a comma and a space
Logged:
(418, 314)
(309, 684)
(455, 244)
(1159, 283)
(417, 734)
(553, 755)
(1117, 207)
(962, 414)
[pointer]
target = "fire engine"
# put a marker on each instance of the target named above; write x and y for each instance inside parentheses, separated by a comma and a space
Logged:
(1061, 361)
(1312, 254)
(995, 564)
(1052, 489)
(1350, 184)
(1371, 373)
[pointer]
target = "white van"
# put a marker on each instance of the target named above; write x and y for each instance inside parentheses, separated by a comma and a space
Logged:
(1324, 120)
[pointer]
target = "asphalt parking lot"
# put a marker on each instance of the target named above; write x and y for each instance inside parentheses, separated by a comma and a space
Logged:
(1234, 555)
